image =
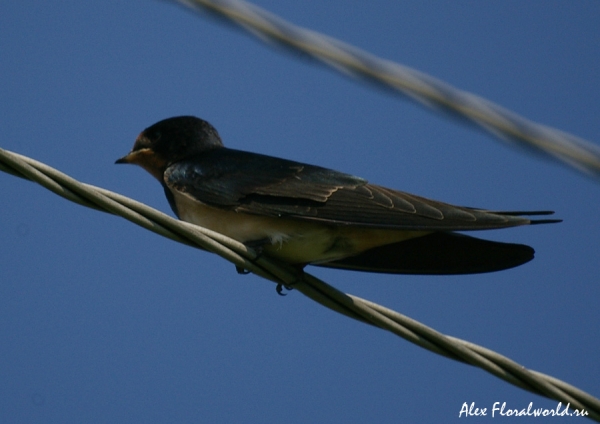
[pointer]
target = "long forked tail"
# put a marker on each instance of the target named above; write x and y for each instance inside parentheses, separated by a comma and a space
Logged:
(530, 213)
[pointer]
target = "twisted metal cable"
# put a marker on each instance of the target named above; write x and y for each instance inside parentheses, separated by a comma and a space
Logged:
(508, 126)
(319, 291)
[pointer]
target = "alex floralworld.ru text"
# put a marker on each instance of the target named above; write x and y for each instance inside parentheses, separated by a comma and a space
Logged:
(500, 409)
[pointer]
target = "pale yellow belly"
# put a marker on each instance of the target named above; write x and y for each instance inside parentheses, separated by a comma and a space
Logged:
(291, 240)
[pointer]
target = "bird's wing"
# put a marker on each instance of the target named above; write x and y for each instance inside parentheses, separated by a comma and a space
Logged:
(437, 253)
(268, 186)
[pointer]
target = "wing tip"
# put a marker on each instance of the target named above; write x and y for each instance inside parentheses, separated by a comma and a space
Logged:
(531, 213)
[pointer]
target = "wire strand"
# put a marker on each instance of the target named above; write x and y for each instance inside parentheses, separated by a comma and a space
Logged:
(504, 124)
(312, 287)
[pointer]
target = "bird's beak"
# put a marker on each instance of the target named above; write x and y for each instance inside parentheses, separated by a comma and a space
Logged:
(125, 159)
(147, 159)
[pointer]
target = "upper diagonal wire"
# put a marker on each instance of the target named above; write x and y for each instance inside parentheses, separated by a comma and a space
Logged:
(317, 290)
(508, 126)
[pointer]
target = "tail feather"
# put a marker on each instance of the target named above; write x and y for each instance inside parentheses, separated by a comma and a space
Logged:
(527, 213)
(544, 221)
(530, 213)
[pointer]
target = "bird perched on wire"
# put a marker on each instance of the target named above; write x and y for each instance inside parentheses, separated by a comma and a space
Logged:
(303, 214)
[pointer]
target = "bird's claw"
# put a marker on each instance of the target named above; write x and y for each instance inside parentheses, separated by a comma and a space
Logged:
(280, 287)
(241, 270)
(258, 247)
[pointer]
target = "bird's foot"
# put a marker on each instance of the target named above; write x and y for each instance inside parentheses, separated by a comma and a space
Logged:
(280, 287)
(242, 271)
(290, 287)
(259, 247)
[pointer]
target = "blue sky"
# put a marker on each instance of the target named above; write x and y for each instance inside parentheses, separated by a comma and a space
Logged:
(102, 321)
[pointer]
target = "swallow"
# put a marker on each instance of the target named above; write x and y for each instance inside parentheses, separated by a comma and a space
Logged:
(304, 214)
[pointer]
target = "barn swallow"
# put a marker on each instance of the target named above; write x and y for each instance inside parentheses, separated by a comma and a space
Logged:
(303, 214)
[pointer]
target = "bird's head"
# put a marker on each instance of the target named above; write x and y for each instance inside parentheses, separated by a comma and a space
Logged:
(169, 141)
